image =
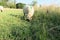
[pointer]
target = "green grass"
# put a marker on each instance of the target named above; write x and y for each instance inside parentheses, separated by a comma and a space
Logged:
(43, 26)
(12, 20)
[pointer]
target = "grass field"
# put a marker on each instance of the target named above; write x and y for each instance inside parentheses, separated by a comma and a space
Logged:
(11, 16)
(11, 19)
(44, 25)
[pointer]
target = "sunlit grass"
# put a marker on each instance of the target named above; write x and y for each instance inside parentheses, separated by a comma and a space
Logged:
(41, 27)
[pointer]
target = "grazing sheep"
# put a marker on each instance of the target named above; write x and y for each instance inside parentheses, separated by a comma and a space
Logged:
(28, 12)
(1, 8)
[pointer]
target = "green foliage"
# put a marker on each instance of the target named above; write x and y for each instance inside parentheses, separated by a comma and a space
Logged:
(3, 2)
(8, 3)
(53, 26)
(0, 3)
(43, 26)
(20, 5)
(38, 26)
(11, 5)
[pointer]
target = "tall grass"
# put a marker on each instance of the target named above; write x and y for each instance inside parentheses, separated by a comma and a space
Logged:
(44, 25)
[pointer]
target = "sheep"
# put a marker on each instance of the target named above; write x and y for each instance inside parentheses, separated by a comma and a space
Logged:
(1, 8)
(28, 12)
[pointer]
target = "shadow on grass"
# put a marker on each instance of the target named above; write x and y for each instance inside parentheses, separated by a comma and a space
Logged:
(17, 16)
(20, 17)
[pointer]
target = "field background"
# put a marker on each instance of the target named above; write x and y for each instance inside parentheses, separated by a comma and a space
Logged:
(45, 24)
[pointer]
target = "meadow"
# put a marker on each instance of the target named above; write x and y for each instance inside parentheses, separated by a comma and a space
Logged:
(10, 22)
(44, 25)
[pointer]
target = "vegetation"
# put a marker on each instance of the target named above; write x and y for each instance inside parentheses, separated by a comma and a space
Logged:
(3, 2)
(12, 26)
(20, 5)
(44, 25)
(8, 3)
(13, 4)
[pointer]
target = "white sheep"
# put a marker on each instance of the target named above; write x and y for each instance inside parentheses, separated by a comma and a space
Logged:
(1, 8)
(28, 12)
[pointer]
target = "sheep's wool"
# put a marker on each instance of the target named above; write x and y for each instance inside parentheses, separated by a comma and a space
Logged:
(1, 7)
(29, 11)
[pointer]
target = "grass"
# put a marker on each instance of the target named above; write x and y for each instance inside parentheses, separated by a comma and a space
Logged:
(44, 25)
(10, 20)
